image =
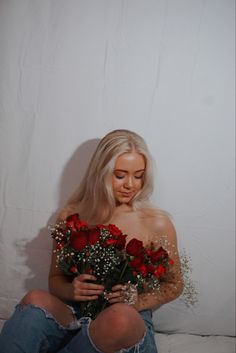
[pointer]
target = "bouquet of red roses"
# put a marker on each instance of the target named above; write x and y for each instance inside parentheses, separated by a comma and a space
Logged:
(101, 250)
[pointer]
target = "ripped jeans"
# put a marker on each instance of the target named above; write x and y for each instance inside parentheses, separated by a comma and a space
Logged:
(33, 330)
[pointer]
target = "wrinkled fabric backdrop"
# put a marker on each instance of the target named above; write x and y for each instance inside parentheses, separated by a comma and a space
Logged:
(70, 71)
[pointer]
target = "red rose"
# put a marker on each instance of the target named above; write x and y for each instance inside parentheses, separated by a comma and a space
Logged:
(159, 271)
(73, 218)
(79, 240)
(136, 262)
(143, 270)
(151, 269)
(120, 244)
(114, 230)
(93, 236)
(159, 254)
(74, 223)
(81, 224)
(101, 226)
(73, 269)
(149, 252)
(110, 242)
(71, 221)
(171, 262)
(134, 247)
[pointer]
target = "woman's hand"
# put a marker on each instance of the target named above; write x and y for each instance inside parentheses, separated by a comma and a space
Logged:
(123, 293)
(116, 295)
(83, 290)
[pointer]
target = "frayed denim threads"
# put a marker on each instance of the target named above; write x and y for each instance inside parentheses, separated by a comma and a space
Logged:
(32, 329)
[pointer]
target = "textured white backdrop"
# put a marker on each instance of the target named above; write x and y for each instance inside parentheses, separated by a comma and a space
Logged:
(72, 70)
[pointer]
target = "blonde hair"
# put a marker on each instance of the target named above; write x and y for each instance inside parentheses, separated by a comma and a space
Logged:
(94, 199)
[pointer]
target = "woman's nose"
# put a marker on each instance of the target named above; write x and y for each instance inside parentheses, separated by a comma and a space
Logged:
(128, 182)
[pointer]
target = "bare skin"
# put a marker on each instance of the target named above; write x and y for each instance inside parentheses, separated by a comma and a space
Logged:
(120, 324)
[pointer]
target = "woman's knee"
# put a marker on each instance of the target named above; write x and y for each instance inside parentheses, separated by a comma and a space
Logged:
(44, 300)
(122, 315)
(120, 319)
(35, 297)
(118, 326)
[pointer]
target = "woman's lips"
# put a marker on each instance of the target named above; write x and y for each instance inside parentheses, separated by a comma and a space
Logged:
(126, 194)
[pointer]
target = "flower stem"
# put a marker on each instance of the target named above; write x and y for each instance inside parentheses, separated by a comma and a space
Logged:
(123, 270)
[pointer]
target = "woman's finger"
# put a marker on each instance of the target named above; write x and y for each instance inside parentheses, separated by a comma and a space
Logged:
(123, 294)
(80, 282)
(85, 285)
(86, 297)
(115, 297)
(87, 292)
(118, 287)
(85, 277)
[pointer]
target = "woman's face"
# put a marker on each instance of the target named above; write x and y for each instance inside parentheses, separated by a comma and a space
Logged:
(128, 176)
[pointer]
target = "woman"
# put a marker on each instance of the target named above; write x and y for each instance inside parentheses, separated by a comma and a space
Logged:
(115, 189)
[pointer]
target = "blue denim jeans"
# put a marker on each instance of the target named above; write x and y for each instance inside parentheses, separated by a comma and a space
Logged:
(34, 330)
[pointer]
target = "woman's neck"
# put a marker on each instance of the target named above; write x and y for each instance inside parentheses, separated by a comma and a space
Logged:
(123, 208)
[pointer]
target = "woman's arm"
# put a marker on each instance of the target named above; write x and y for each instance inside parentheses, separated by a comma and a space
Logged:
(66, 288)
(172, 286)
(59, 284)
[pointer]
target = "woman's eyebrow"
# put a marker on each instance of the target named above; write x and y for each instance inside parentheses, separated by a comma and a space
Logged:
(125, 171)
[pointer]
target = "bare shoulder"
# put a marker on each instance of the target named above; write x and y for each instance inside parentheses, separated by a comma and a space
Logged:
(159, 224)
(161, 231)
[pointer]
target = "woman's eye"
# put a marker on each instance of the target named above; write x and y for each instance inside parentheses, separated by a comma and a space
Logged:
(138, 176)
(119, 176)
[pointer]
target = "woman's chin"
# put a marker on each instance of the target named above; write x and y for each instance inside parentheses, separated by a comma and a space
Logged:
(124, 201)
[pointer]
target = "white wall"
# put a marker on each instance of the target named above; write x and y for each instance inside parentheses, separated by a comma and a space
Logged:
(72, 70)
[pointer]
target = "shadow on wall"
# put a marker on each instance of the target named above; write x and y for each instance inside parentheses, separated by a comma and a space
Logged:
(75, 169)
(37, 252)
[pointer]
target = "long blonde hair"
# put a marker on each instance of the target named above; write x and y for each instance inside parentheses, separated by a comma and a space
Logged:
(94, 199)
